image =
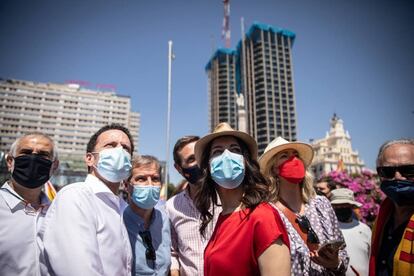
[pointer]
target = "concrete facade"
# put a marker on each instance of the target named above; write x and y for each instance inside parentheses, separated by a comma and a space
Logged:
(66, 112)
(253, 85)
(335, 150)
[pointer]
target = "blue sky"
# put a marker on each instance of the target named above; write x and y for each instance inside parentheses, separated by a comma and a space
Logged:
(352, 57)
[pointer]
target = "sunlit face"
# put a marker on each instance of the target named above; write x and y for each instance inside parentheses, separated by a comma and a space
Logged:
(106, 140)
(187, 156)
(112, 139)
(32, 144)
(281, 157)
(323, 188)
(222, 143)
(146, 175)
(398, 155)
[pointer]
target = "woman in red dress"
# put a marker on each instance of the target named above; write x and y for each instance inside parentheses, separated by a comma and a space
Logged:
(249, 237)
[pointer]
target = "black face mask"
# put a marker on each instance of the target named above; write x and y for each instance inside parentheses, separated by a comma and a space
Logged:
(401, 192)
(343, 214)
(192, 174)
(31, 170)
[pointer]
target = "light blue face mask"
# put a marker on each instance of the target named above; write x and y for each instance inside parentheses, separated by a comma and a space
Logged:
(146, 197)
(227, 169)
(114, 164)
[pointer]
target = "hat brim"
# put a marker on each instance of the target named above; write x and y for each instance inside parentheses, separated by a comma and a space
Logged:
(201, 144)
(346, 201)
(305, 152)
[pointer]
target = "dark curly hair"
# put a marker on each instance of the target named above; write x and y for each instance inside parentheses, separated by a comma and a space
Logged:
(256, 188)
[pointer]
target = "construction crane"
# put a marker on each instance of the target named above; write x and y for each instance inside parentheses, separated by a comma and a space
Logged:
(225, 34)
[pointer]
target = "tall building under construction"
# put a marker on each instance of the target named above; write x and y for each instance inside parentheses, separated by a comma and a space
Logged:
(221, 71)
(263, 76)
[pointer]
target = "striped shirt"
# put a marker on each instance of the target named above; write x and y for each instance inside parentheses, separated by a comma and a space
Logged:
(187, 244)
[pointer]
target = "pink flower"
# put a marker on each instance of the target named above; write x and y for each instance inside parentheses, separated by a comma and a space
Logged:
(366, 191)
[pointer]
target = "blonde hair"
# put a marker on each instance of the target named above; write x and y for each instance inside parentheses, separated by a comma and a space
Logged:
(306, 186)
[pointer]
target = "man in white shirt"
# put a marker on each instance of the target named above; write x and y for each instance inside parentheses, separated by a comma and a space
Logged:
(187, 244)
(31, 161)
(83, 232)
(357, 235)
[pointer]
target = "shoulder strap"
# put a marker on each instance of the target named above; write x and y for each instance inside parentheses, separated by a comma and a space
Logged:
(292, 219)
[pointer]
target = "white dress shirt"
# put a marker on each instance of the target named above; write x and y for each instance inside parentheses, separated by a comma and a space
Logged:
(84, 234)
(19, 223)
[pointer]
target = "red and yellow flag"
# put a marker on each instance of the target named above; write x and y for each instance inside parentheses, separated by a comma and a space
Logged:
(340, 166)
(50, 190)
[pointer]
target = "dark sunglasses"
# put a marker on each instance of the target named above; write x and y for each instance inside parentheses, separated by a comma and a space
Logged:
(406, 171)
(306, 227)
(149, 249)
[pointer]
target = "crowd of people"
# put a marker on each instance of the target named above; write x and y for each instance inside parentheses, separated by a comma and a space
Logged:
(238, 213)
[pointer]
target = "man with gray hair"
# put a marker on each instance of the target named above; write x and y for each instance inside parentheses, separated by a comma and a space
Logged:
(31, 161)
(147, 224)
(393, 236)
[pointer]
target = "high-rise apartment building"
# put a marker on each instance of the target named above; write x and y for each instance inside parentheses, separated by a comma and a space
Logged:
(267, 83)
(221, 72)
(66, 112)
(264, 76)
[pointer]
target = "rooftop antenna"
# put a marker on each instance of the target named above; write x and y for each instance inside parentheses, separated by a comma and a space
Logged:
(213, 44)
(225, 34)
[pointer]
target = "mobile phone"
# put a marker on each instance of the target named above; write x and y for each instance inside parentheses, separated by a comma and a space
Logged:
(333, 245)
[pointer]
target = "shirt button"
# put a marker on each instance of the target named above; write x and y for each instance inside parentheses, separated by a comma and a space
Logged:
(383, 262)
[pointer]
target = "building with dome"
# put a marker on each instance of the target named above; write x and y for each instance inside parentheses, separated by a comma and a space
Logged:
(334, 152)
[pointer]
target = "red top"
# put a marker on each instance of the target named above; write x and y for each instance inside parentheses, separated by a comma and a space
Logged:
(240, 238)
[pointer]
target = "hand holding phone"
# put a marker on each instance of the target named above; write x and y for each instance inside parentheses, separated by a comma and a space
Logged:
(327, 255)
(332, 245)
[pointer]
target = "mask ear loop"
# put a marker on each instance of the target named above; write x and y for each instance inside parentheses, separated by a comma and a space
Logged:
(87, 159)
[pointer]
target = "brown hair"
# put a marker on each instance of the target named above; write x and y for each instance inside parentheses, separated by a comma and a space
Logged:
(254, 184)
(180, 144)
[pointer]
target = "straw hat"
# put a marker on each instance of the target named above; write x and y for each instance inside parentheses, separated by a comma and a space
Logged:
(224, 129)
(342, 196)
(279, 144)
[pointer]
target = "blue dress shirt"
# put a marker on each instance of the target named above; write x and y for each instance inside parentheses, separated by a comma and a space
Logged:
(161, 241)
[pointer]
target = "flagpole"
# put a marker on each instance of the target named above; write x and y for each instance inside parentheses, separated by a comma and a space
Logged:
(170, 57)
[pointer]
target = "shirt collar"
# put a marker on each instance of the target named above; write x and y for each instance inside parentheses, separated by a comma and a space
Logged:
(97, 185)
(13, 199)
(10, 196)
(138, 220)
(187, 191)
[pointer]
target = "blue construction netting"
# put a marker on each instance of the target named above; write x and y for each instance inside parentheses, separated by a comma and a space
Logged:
(220, 53)
(269, 28)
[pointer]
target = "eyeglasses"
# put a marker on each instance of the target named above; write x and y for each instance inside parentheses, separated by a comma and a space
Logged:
(406, 171)
(149, 249)
(306, 227)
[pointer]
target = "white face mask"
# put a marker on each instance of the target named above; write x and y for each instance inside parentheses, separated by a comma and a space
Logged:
(114, 164)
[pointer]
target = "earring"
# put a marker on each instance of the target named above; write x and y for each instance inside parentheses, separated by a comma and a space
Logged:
(277, 180)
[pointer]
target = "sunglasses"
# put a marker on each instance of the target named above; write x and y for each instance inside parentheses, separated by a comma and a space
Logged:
(149, 249)
(306, 227)
(406, 171)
